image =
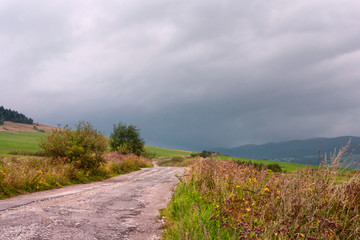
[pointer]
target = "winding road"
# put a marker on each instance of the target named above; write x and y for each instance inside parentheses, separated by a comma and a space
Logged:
(123, 207)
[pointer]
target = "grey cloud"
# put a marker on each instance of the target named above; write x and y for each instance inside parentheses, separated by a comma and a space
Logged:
(188, 74)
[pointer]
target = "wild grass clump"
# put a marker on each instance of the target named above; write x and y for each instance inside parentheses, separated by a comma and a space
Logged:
(219, 199)
(120, 163)
(176, 161)
(18, 176)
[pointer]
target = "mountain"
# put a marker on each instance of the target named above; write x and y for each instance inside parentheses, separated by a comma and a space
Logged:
(297, 151)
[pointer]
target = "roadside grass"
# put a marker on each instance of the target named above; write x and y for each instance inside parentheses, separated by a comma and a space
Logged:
(179, 161)
(220, 199)
(176, 161)
(25, 175)
(166, 152)
(21, 141)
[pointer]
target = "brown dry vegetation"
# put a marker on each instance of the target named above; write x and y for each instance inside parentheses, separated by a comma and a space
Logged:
(20, 127)
(18, 176)
(220, 199)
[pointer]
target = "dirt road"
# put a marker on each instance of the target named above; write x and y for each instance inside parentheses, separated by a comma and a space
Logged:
(123, 207)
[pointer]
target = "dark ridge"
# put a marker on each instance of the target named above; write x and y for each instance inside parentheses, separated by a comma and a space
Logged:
(13, 116)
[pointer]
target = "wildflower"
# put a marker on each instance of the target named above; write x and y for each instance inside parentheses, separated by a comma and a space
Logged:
(254, 179)
(237, 186)
(265, 189)
(248, 209)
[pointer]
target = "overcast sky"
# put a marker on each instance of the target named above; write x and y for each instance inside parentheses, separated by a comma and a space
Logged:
(188, 74)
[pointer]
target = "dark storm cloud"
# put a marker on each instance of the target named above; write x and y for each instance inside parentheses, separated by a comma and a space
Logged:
(188, 74)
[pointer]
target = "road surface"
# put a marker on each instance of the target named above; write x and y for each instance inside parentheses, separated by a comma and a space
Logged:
(123, 207)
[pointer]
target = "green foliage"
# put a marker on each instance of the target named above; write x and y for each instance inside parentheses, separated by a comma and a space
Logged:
(261, 166)
(204, 154)
(84, 146)
(274, 167)
(189, 216)
(13, 116)
(126, 139)
(219, 199)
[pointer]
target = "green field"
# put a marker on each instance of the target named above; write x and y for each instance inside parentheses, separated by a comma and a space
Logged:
(30, 142)
(21, 141)
(166, 152)
(284, 165)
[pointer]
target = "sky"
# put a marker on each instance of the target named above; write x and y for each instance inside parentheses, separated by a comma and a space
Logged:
(189, 74)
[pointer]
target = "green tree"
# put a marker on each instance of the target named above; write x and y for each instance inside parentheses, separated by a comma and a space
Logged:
(126, 139)
(83, 147)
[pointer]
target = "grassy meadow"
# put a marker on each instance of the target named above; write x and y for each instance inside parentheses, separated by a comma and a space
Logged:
(21, 141)
(284, 165)
(225, 199)
(166, 152)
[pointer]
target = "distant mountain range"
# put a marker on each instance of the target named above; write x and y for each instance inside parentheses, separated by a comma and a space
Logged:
(297, 151)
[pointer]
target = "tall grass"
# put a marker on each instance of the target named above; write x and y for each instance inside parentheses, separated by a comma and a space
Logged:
(219, 199)
(18, 176)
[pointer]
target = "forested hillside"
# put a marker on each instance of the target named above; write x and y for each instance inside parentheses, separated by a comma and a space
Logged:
(13, 116)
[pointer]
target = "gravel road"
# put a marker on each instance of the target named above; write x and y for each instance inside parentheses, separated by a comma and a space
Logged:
(123, 207)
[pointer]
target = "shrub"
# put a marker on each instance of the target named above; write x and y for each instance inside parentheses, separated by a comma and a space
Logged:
(204, 154)
(126, 139)
(274, 167)
(84, 146)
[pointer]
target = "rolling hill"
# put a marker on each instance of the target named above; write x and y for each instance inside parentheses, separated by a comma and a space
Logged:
(296, 151)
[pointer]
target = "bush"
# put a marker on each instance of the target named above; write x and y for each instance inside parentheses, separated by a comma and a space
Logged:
(274, 167)
(126, 139)
(84, 146)
(204, 154)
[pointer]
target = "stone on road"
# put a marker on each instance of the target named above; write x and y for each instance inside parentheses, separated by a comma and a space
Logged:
(123, 207)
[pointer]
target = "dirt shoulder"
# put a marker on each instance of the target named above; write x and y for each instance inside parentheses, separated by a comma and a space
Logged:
(123, 207)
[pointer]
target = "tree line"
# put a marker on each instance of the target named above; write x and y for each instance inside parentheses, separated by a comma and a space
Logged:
(13, 116)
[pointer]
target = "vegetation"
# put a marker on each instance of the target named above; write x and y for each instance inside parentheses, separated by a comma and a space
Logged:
(84, 147)
(18, 176)
(220, 199)
(126, 139)
(22, 141)
(166, 152)
(73, 156)
(176, 161)
(13, 116)
(204, 154)
(286, 167)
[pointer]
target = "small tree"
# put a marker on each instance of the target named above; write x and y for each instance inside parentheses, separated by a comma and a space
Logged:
(126, 139)
(84, 146)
